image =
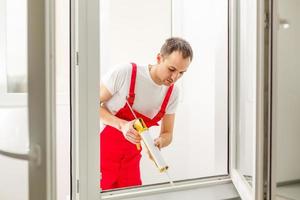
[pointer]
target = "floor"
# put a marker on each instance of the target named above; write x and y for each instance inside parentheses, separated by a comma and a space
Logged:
(288, 192)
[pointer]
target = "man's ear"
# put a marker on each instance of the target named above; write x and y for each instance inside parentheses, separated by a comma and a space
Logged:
(159, 58)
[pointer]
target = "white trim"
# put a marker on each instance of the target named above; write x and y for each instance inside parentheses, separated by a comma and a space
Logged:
(274, 111)
(258, 182)
(232, 83)
(50, 80)
(74, 99)
(242, 186)
(162, 188)
(165, 188)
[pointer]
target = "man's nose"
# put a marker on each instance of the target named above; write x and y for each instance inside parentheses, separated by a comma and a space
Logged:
(175, 76)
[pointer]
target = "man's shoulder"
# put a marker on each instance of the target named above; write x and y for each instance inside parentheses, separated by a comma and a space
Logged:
(117, 72)
(127, 67)
(122, 67)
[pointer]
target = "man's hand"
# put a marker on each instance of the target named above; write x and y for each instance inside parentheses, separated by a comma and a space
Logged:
(130, 133)
(159, 142)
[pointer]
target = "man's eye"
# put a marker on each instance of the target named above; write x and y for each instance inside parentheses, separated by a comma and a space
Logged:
(171, 69)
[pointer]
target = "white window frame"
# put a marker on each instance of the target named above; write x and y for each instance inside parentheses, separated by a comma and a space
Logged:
(41, 102)
(85, 81)
(245, 190)
(238, 180)
(274, 25)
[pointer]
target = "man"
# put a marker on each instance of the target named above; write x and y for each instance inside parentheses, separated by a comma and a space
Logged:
(149, 91)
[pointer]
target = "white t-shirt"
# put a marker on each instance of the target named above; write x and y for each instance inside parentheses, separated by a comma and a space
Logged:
(148, 95)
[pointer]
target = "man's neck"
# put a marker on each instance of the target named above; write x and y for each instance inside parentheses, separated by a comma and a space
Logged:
(152, 71)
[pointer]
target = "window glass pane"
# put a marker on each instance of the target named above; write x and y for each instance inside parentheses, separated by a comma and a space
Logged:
(133, 31)
(202, 128)
(16, 46)
(14, 135)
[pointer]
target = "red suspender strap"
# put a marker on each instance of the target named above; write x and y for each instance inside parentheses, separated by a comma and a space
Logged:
(131, 96)
(166, 100)
(163, 107)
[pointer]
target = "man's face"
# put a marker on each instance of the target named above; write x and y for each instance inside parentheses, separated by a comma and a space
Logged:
(171, 67)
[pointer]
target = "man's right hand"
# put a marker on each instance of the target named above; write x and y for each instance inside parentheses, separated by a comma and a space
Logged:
(130, 133)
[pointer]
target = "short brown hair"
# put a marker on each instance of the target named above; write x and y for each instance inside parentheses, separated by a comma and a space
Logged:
(177, 44)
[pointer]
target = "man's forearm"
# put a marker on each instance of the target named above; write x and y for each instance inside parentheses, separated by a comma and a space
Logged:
(109, 119)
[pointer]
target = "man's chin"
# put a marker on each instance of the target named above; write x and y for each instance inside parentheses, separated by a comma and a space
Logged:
(168, 83)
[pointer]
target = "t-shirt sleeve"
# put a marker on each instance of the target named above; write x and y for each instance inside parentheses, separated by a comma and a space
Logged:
(115, 78)
(173, 102)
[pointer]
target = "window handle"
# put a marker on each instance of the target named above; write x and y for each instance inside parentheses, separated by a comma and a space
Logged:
(34, 155)
(284, 23)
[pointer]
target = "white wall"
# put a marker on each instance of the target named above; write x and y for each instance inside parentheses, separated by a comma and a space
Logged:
(287, 126)
(134, 31)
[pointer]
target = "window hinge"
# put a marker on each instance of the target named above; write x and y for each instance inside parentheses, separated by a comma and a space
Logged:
(267, 20)
(77, 58)
(265, 190)
(77, 186)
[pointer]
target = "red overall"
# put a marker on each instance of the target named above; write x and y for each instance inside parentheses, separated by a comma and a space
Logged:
(120, 159)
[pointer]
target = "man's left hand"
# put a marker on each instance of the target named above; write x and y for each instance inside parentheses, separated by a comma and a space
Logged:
(159, 142)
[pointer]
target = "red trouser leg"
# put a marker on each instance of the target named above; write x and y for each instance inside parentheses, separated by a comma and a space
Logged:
(129, 174)
(119, 160)
(111, 154)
